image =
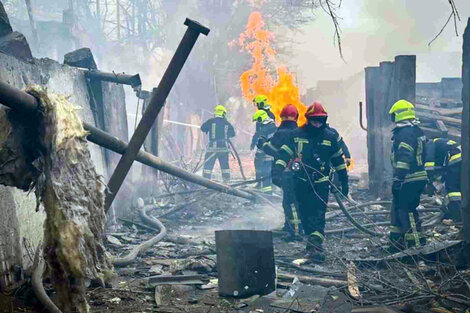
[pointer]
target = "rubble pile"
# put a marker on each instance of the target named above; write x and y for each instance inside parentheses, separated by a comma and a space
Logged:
(179, 274)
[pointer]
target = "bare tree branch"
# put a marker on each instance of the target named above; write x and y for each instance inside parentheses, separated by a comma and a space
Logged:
(453, 14)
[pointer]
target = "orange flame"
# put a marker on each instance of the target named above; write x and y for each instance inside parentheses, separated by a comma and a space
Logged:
(257, 80)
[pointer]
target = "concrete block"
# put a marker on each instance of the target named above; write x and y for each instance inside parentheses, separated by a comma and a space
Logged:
(15, 44)
(81, 58)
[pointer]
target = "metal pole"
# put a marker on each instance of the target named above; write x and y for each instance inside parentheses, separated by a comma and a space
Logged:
(118, 78)
(27, 104)
(156, 103)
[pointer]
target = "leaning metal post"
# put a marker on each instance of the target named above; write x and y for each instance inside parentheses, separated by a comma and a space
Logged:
(156, 103)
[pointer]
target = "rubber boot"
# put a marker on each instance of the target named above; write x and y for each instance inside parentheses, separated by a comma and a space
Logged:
(314, 249)
(397, 243)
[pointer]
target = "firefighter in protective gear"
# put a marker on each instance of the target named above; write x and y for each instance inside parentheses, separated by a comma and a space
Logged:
(443, 162)
(409, 177)
(219, 131)
(312, 151)
(289, 116)
(265, 128)
(261, 103)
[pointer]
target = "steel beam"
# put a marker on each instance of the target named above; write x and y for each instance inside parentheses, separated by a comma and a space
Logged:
(25, 103)
(156, 103)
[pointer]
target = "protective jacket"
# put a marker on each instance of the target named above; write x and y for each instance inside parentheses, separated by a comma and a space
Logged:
(219, 131)
(315, 151)
(441, 152)
(408, 153)
(266, 130)
(341, 143)
(272, 146)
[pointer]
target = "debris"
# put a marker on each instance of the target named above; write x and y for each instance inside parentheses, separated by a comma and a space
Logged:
(158, 295)
(352, 281)
(113, 240)
(326, 282)
(375, 309)
(156, 269)
(115, 300)
(176, 280)
(336, 301)
(299, 262)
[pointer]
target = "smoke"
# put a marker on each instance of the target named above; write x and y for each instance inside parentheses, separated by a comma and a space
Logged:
(372, 32)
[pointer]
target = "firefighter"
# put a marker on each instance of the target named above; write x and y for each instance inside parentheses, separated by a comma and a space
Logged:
(219, 131)
(289, 116)
(312, 150)
(409, 177)
(261, 103)
(443, 163)
(265, 128)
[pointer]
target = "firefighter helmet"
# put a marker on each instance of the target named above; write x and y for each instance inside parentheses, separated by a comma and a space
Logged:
(261, 116)
(220, 111)
(261, 102)
(316, 110)
(402, 110)
(289, 113)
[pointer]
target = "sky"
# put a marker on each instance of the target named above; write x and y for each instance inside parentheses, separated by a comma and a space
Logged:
(377, 30)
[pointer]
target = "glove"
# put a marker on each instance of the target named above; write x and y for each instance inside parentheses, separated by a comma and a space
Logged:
(276, 176)
(252, 146)
(261, 142)
(348, 162)
(345, 188)
(277, 181)
(396, 185)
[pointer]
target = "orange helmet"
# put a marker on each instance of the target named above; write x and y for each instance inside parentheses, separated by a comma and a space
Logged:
(316, 110)
(289, 113)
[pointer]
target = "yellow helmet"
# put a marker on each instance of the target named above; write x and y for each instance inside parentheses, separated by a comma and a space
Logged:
(261, 116)
(261, 101)
(220, 111)
(402, 110)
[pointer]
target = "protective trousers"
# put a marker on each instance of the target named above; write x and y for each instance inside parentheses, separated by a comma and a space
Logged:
(405, 230)
(452, 184)
(209, 162)
(263, 164)
(312, 202)
(292, 219)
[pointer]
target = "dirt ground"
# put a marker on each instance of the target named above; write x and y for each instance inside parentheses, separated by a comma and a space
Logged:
(189, 249)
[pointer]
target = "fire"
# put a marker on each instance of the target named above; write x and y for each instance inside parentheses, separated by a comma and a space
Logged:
(258, 80)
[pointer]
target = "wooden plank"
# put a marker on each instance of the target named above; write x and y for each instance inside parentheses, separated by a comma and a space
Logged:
(441, 111)
(374, 309)
(434, 133)
(442, 128)
(326, 282)
(450, 120)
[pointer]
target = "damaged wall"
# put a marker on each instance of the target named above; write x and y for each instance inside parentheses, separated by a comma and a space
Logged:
(384, 86)
(18, 208)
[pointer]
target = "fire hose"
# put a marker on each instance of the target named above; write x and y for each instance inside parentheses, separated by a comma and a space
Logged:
(37, 283)
(238, 158)
(351, 218)
(152, 221)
